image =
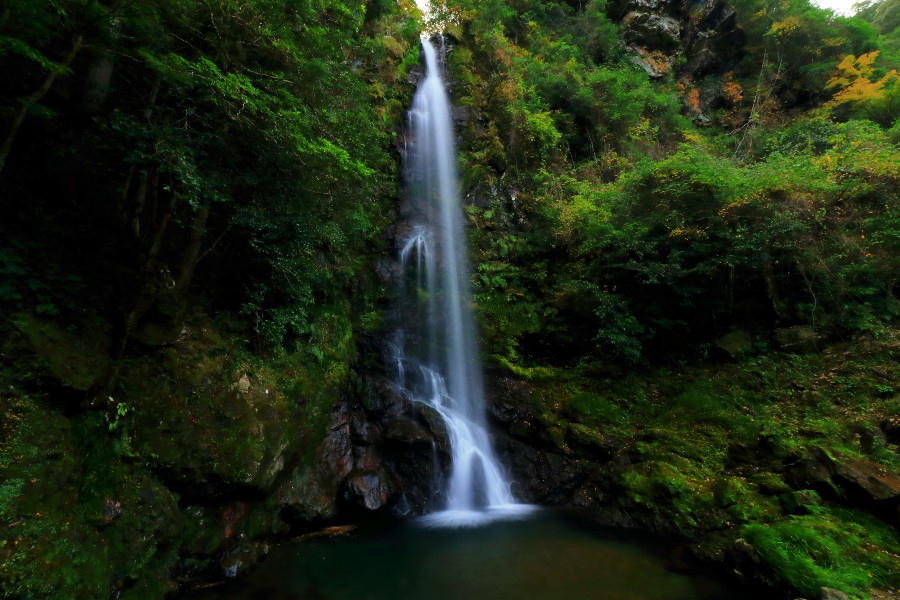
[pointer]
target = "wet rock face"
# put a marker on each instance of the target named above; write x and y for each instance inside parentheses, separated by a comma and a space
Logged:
(371, 452)
(541, 471)
(656, 32)
(651, 30)
(370, 490)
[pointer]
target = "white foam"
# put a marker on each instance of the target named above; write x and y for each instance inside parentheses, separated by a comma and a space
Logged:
(457, 519)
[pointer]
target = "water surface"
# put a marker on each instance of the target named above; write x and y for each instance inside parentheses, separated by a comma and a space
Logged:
(546, 556)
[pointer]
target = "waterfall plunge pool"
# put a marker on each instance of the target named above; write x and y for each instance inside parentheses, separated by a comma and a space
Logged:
(546, 555)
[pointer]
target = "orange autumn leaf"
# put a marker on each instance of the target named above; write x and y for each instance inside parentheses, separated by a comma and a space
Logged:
(853, 80)
(733, 92)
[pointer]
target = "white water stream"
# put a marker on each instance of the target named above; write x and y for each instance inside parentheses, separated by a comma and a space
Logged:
(436, 357)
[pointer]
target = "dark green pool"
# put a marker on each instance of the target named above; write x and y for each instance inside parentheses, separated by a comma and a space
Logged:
(544, 556)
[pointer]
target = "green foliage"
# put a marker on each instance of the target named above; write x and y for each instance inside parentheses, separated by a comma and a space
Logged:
(232, 158)
(600, 210)
(675, 246)
(10, 490)
(241, 159)
(212, 150)
(798, 43)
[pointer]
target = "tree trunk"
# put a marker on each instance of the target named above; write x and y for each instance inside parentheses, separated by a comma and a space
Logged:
(140, 198)
(100, 72)
(98, 81)
(133, 310)
(772, 288)
(36, 97)
(191, 253)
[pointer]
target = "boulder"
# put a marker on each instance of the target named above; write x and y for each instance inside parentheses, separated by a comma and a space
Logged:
(797, 339)
(213, 432)
(652, 31)
(855, 481)
(891, 429)
(371, 490)
(812, 470)
(310, 492)
(870, 437)
(735, 343)
(869, 481)
(832, 594)
(74, 359)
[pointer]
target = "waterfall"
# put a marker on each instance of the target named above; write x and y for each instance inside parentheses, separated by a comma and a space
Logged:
(436, 351)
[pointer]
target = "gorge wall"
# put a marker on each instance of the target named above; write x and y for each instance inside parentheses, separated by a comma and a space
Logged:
(197, 265)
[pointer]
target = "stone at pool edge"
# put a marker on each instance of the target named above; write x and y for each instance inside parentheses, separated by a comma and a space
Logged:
(368, 489)
(832, 594)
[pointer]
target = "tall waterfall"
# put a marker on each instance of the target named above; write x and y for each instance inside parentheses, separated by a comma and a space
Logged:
(436, 351)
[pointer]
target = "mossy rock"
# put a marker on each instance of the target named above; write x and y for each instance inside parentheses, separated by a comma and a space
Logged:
(77, 520)
(39, 448)
(590, 439)
(207, 428)
(46, 551)
(76, 358)
(836, 548)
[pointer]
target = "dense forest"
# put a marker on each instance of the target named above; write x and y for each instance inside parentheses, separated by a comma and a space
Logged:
(684, 222)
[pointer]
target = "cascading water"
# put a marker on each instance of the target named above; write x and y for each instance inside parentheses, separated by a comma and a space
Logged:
(437, 360)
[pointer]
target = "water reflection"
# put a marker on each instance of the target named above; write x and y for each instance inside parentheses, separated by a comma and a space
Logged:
(543, 557)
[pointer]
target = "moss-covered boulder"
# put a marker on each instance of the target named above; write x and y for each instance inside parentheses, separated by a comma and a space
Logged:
(76, 521)
(209, 427)
(74, 356)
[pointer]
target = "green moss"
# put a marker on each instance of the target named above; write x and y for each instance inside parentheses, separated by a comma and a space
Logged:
(75, 358)
(596, 410)
(46, 551)
(75, 519)
(528, 373)
(202, 410)
(709, 449)
(836, 548)
(677, 498)
(52, 557)
(587, 436)
(769, 483)
(742, 501)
